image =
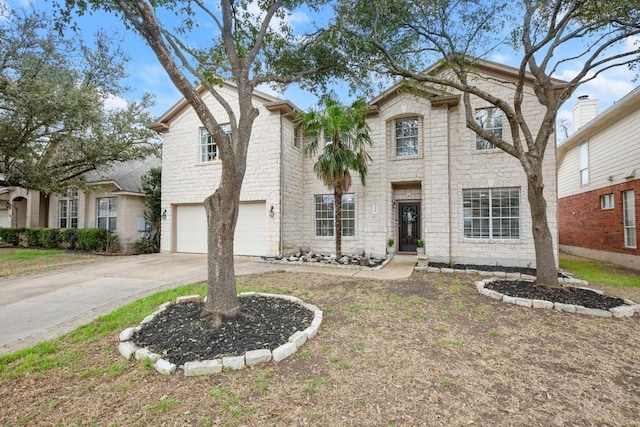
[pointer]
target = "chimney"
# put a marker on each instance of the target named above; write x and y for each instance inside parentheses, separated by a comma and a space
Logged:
(584, 111)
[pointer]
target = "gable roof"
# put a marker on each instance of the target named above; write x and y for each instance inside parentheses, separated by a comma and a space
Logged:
(270, 102)
(125, 176)
(628, 104)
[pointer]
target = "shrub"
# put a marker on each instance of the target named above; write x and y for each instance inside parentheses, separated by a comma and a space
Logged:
(92, 239)
(9, 235)
(69, 237)
(146, 246)
(50, 238)
(33, 237)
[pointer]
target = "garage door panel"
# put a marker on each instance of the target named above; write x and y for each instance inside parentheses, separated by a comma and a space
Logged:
(251, 230)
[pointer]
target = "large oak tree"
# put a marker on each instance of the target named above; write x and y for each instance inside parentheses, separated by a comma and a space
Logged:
(403, 38)
(54, 125)
(250, 43)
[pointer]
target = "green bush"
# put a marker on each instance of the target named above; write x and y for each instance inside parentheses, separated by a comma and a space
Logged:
(50, 238)
(146, 246)
(33, 237)
(9, 235)
(92, 239)
(69, 238)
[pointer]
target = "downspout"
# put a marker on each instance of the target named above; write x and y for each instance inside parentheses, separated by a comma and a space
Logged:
(280, 192)
(449, 183)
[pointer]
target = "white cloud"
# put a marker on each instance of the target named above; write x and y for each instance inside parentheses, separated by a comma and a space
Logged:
(113, 102)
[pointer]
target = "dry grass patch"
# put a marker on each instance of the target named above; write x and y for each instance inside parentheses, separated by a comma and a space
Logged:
(424, 351)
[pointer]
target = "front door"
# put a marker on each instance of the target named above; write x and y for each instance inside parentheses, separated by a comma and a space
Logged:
(409, 226)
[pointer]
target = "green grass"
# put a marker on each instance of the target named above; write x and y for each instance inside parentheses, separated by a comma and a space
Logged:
(29, 254)
(446, 342)
(163, 405)
(599, 272)
(55, 354)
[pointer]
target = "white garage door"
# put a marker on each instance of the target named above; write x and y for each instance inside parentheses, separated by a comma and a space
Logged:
(4, 218)
(251, 230)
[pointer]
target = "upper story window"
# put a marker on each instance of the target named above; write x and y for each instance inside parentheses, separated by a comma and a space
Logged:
(406, 137)
(297, 136)
(584, 162)
(107, 213)
(491, 213)
(491, 120)
(68, 209)
(606, 201)
(208, 148)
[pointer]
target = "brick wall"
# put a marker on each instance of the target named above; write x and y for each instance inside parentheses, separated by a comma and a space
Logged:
(583, 223)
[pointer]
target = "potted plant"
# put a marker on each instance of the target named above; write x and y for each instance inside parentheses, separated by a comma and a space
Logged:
(420, 248)
(390, 242)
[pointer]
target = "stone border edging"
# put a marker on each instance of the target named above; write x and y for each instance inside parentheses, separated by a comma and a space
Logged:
(128, 349)
(328, 265)
(627, 310)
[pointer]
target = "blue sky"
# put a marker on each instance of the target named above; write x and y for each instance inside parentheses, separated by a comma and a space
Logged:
(147, 75)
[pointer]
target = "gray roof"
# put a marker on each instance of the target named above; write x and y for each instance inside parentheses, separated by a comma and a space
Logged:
(125, 175)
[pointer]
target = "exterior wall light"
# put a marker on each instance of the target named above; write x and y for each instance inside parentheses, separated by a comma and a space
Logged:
(164, 214)
(272, 212)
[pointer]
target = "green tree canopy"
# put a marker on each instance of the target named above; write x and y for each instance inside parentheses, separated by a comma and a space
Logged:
(450, 38)
(54, 122)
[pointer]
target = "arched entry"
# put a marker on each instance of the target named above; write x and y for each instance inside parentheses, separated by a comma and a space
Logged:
(18, 212)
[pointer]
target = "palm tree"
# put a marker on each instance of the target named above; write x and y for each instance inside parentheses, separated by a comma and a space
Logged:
(342, 133)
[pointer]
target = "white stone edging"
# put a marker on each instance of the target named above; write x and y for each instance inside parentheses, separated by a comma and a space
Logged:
(128, 349)
(627, 310)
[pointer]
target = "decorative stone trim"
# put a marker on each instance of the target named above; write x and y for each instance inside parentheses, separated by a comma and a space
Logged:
(335, 264)
(128, 349)
(499, 275)
(621, 311)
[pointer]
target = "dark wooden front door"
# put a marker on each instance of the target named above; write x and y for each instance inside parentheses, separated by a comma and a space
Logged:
(409, 226)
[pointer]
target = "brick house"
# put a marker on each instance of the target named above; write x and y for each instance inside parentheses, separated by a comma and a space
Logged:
(113, 200)
(430, 178)
(599, 182)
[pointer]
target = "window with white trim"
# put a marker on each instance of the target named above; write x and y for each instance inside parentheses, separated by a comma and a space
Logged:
(584, 162)
(297, 136)
(325, 215)
(68, 209)
(406, 137)
(490, 119)
(606, 201)
(208, 147)
(107, 213)
(491, 213)
(629, 213)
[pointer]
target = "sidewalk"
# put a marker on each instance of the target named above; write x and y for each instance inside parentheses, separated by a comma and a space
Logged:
(42, 306)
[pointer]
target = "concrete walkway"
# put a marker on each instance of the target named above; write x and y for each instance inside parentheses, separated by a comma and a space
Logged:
(38, 307)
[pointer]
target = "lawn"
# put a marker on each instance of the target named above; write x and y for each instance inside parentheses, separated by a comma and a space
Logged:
(17, 261)
(428, 350)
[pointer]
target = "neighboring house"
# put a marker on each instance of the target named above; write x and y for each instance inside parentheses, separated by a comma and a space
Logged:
(430, 178)
(113, 200)
(599, 182)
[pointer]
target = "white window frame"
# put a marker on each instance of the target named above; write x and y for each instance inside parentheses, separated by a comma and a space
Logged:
(407, 138)
(208, 148)
(107, 210)
(490, 119)
(485, 218)
(607, 201)
(629, 218)
(583, 154)
(324, 215)
(68, 209)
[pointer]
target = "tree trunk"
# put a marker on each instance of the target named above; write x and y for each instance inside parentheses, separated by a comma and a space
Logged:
(547, 271)
(337, 200)
(222, 214)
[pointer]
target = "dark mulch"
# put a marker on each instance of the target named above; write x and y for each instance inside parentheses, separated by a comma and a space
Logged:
(567, 295)
(179, 335)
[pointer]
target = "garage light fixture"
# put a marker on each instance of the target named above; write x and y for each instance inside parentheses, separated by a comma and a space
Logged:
(272, 212)
(164, 214)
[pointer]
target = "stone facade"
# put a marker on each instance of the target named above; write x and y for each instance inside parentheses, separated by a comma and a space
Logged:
(446, 163)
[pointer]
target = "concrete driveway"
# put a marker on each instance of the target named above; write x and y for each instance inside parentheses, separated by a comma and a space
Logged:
(38, 307)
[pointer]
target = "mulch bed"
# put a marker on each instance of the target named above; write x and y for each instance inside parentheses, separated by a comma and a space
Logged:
(179, 335)
(566, 295)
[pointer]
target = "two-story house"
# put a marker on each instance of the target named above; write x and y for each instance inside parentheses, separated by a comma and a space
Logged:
(599, 182)
(431, 178)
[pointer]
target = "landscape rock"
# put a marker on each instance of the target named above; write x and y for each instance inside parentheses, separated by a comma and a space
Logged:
(284, 351)
(233, 362)
(256, 357)
(204, 367)
(164, 367)
(127, 349)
